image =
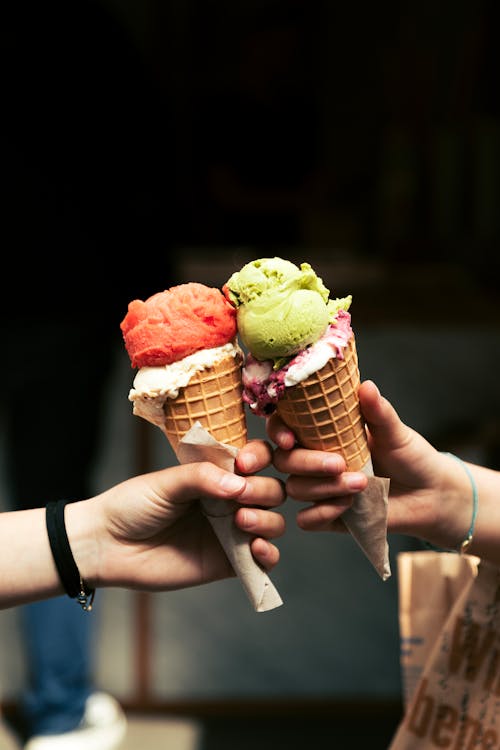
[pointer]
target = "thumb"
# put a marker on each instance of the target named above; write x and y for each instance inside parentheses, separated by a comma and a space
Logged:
(382, 420)
(190, 481)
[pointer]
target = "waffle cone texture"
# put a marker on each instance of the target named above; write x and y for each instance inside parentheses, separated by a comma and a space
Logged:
(212, 397)
(323, 410)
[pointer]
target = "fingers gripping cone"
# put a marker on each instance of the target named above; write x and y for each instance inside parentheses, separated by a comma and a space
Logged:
(323, 412)
(206, 422)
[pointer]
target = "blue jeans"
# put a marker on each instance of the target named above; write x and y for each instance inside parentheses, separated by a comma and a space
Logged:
(49, 455)
(57, 637)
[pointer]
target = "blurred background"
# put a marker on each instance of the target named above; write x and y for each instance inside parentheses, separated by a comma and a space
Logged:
(151, 143)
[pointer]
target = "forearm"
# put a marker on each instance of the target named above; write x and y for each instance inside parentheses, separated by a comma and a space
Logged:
(28, 572)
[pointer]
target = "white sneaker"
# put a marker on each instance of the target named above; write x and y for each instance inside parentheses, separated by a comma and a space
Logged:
(103, 727)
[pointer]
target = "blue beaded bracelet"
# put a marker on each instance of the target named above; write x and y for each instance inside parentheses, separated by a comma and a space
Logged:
(463, 545)
(462, 548)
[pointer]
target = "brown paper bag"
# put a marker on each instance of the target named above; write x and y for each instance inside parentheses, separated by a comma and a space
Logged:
(456, 701)
(429, 583)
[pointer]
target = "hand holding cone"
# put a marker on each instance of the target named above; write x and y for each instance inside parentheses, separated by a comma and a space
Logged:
(194, 395)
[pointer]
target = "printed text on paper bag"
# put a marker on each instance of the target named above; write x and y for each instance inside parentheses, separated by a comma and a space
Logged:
(469, 720)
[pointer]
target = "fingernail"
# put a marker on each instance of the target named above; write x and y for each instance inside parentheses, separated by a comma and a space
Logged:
(285, 439)
(355, 481)
(232, 482)
(247, 462)
(248, 518)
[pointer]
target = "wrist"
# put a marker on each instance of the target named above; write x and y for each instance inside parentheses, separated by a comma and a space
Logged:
(81, 528)
(458, 504)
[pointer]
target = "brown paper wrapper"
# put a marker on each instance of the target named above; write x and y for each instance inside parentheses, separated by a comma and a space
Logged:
(198, 445)
(366, 521)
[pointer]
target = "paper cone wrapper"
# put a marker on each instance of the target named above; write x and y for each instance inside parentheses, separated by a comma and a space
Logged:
(323, 411)
(199, 445)
(206, 422)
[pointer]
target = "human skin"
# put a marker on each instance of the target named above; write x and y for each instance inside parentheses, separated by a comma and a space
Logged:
(430, 493)
(148, 532)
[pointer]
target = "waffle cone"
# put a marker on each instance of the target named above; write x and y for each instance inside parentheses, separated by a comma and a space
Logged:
(323, 410)
(212, 397)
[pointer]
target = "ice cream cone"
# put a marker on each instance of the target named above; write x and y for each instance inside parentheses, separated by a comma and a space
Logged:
(323, 410)
(213, 397)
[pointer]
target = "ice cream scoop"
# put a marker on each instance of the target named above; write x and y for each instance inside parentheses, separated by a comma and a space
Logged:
(183, 340)
(175, 323)
(281, 308)
(288, 324)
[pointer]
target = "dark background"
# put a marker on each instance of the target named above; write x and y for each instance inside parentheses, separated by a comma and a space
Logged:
(363, 137)
(368, 129)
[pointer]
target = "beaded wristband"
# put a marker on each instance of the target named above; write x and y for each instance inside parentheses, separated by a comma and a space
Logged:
(462, 548)
(63, 557)
(463, 545)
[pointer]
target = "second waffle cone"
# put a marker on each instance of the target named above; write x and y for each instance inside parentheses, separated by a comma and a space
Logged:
(212, 397)
(323, 410)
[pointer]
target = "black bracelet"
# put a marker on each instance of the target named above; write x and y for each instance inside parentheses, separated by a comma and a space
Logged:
(63, 557)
